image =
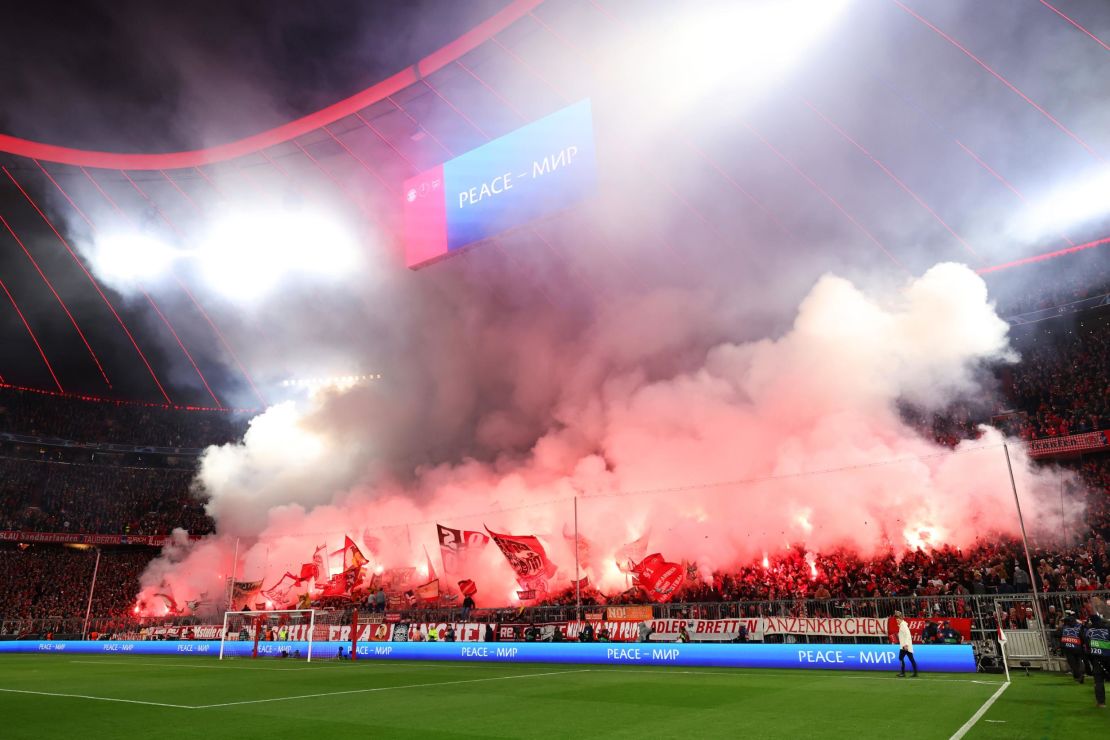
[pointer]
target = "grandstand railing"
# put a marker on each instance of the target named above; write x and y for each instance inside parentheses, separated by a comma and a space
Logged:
(981, 609)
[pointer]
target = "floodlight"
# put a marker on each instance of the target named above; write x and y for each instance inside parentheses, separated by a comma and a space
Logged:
(131, 257)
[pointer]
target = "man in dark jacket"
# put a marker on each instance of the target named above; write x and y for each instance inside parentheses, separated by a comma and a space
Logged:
(1096, 644)
(1071, 645)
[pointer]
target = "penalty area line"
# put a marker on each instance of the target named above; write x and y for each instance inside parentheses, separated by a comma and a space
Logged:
(97, 698)
(982, 710)
(385, 688)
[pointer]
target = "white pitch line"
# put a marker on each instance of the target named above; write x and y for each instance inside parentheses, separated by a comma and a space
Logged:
(183, 665)
(982, 710)
(385, 688)
(97, 698)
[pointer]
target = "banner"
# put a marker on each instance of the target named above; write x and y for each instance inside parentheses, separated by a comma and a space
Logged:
(468, 587)
(826, 626)
(527, 558)
(456, 546)
(528, 595)
(660, 579)
(708, 630)
(629, 613)
(917, 626)
(1070, 445)
(76, 538)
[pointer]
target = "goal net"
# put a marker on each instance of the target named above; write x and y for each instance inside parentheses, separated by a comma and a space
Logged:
(281, 633)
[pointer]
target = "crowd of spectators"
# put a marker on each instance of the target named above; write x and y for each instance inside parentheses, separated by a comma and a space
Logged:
(1062, 384)
(56, 491)
(48, 415)
(1023, 289)
(45, 581)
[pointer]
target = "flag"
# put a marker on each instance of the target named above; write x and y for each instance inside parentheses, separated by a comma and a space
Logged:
(396, 579)
(340, 584)
(308, 572)
(241, 589)
(581, 584)
(1001, 636)
(428, 592)
(467, 587)
(280, 592)
(321, 573)
(457, 545)
(659, 578)
(527, 558)
(431, 568)
(170, 603)
(528, 595)
(352, 556)
(582, 547)
(631, 552)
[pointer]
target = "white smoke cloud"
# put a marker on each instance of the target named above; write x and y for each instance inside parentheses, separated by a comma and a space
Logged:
(617, 431)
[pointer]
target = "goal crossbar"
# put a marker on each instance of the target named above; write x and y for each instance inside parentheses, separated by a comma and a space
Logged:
(256, 625)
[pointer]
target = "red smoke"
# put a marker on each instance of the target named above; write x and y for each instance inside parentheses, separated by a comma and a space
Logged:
(794, 439)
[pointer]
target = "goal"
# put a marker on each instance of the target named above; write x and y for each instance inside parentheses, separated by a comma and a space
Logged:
(281, 633)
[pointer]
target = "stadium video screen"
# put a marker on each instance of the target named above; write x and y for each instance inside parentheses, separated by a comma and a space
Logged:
(536, 170)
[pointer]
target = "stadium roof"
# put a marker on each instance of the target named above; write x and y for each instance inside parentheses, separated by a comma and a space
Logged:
(943, 118)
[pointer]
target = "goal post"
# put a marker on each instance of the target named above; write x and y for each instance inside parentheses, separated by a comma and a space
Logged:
(285, 629)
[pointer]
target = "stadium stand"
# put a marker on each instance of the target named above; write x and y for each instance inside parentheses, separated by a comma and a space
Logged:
(60, 484)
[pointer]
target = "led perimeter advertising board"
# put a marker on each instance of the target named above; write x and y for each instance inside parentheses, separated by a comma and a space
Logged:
(534, 171)
(930, 658)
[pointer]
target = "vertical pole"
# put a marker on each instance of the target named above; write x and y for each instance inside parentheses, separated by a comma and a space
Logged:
(92, 589)
(311, 632)
(1028, 558)
(354, 635)
(1063, 524)
(223, 636)
(1002, 640)
(577, 576)
(234, 569)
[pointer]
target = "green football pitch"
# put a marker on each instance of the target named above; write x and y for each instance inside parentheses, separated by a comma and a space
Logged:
(46, 696)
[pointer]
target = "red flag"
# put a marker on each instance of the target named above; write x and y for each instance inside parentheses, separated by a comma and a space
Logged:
(658, 577)
(467, 587)
(429, 591)
(341, 583)
(527, 558)
(308, 572)
(279, 593)
(321, 568)
(352, 556)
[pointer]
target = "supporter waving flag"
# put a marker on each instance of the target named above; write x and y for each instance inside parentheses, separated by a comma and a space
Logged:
(660, 579)
(527, 558)
(456, 546)
(352, 556)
